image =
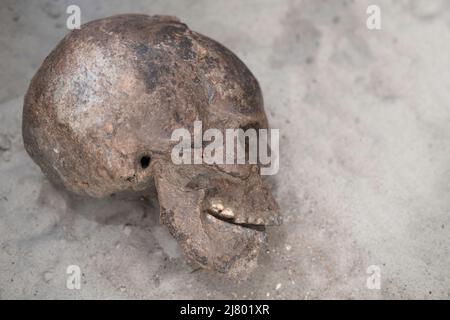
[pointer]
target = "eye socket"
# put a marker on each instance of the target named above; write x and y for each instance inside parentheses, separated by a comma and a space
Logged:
(145, 161)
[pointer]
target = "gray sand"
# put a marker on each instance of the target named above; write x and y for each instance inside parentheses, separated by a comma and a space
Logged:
(364, 172)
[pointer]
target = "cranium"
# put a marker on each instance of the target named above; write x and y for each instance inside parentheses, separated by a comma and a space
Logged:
(98, 118)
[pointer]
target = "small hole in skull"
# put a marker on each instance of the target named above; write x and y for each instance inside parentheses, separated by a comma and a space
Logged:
(145, 162)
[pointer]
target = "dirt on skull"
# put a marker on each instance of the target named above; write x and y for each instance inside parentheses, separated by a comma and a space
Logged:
(98, 118)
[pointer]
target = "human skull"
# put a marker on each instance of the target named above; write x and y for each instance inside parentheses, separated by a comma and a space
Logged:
(98, 118)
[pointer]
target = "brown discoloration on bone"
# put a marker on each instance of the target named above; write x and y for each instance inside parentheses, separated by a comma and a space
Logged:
(111, 94)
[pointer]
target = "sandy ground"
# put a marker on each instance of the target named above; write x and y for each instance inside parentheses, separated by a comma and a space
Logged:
(364, 173)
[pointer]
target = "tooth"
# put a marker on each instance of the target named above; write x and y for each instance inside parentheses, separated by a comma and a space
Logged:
(216, 206)
(239, 220)
(250, 220)
(227, 213)
(260, 221)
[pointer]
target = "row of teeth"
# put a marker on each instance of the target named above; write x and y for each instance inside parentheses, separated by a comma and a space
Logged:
(220, 210)
(227, 213)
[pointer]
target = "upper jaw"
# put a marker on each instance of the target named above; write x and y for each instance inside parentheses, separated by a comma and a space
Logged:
(241, 199)
(235, 211)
